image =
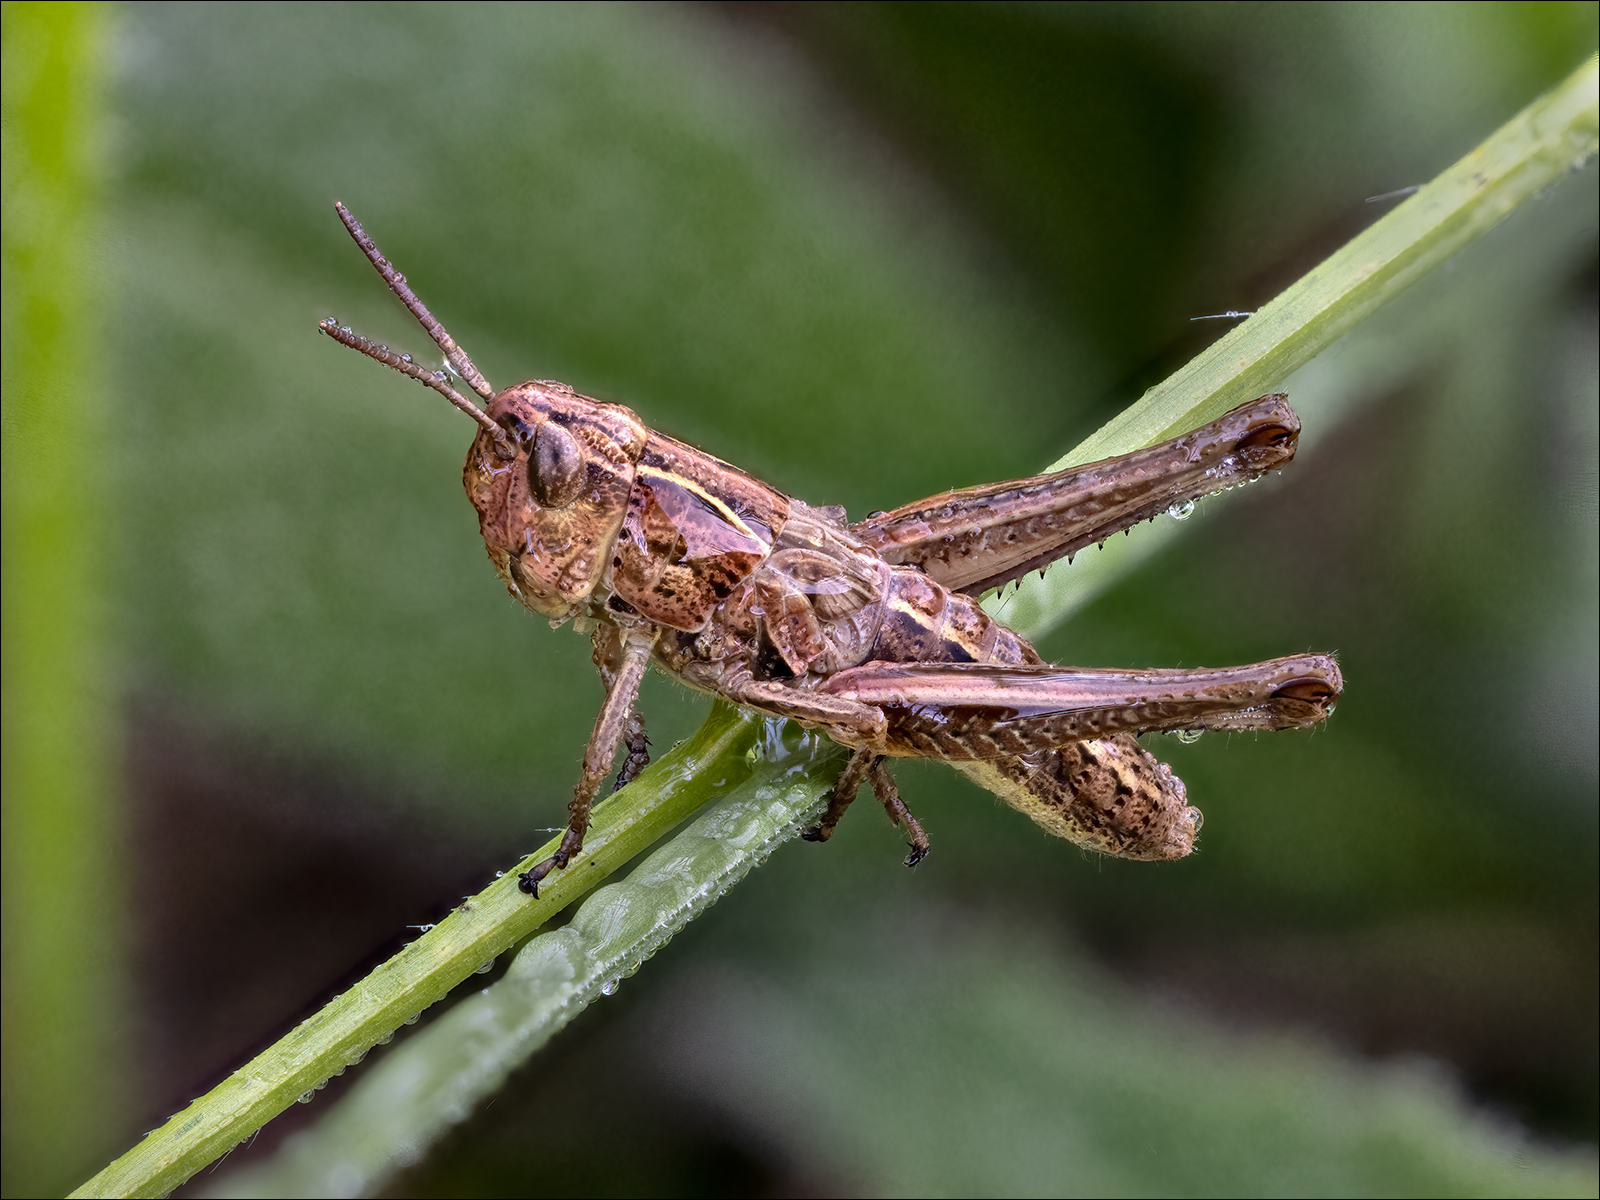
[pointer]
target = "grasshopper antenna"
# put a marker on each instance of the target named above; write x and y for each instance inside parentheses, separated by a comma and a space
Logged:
(454, 354)
(346, 336)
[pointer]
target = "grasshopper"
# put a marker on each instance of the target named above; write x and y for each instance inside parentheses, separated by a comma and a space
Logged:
(870, 632)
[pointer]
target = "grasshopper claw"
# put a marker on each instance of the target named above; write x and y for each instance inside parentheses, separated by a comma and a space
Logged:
(528, 881)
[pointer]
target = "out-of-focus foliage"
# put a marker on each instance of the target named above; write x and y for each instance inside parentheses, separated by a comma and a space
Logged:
(870, 252)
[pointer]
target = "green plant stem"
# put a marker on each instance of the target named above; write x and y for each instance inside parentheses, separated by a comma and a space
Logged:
(63, 950)
(439, 1077)
(1533, 151)
(471, 937)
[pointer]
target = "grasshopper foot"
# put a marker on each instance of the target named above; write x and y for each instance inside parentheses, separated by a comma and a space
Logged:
(888, 794)
(528, 881)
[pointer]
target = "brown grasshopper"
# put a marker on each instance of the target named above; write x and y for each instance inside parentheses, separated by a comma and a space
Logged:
(870, 632)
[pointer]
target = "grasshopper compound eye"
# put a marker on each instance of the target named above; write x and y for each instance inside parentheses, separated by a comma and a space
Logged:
(555, 469)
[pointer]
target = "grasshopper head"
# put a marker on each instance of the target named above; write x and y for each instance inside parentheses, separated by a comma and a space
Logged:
(549, 472)
(551, 492)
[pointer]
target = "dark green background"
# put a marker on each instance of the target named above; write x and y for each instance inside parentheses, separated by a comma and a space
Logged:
(867, 252)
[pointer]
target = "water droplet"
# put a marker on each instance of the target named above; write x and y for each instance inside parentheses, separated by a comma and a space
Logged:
(306, 1097)
(412, 1019)
(486, 968)
(1181, 511)
(610, 986)
(386, 1039)
(1187, 736)
(1196, 818)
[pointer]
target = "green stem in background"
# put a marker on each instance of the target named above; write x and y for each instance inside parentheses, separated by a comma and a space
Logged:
(63, 1074)
(462, 1058)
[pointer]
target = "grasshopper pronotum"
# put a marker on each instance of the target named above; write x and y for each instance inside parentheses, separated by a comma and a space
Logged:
(870, 632)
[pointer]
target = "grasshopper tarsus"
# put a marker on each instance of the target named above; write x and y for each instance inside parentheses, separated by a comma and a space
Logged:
(888, 794)
(528, 881)
(638, 758)
(872, 632)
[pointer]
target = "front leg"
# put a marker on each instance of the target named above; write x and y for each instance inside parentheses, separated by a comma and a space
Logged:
(607, 658)
(609, 726)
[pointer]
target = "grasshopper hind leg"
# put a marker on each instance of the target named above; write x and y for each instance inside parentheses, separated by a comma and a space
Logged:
(865, 765)
(888, 794)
